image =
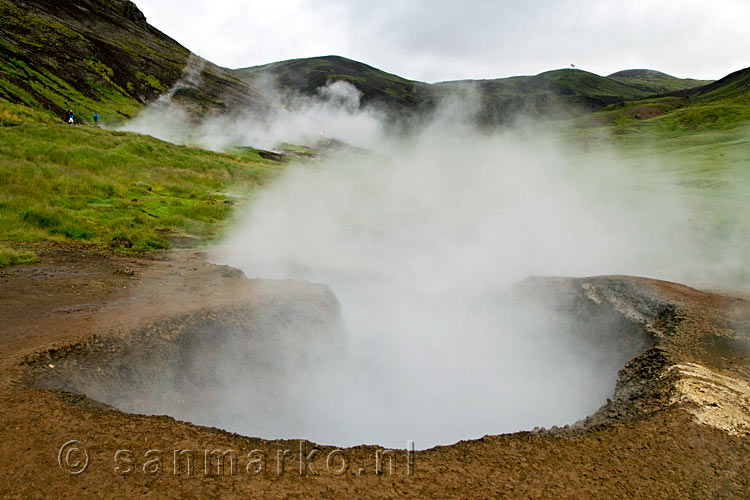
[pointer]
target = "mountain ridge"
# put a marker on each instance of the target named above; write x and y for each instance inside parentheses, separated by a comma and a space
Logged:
(552, 94)
(103, 56)
(732, 85)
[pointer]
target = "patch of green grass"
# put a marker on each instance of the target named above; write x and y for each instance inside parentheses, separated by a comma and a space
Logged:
(106, 73)
(41, 84)
(151, 81)
(85, 184)
(14, 115)
(40, 89)
(12, 257)
(697, 148)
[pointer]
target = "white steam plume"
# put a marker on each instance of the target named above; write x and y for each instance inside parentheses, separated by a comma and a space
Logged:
(417, 246)
(335, 112)
(163, 118)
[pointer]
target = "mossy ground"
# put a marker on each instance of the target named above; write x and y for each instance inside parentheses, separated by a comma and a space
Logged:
(85, 184)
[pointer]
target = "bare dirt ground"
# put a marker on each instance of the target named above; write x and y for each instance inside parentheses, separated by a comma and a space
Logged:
(677, 426)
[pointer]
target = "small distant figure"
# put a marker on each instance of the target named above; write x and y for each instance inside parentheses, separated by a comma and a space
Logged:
(70, 118)
(96, 118)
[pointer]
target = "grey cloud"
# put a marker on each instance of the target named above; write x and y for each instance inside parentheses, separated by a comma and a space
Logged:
(442, 40)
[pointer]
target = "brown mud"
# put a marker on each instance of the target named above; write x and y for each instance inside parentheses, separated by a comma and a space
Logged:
(677, 425)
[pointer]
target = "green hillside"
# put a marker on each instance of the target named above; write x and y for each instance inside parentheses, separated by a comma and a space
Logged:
(699, 143)
(655, 82)
(572, 83)
(550, 95)
(307, 75)
(734, 85)
(597, 89)
(90, 186)
(700, 140)
(719, 106)
(114, 189)
(102, 55)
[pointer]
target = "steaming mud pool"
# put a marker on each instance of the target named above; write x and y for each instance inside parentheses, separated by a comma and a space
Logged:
(90, 362)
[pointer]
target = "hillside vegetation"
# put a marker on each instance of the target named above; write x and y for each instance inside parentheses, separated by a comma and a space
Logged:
(88, 185)
(734, 85)
(718, 107)
(305, 76)
(551, 95)
(655, 82)
(128, 192)
(102, 56)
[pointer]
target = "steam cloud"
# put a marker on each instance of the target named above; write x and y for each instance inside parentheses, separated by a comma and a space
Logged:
(163, 118)
(334, 111)
(420, 246)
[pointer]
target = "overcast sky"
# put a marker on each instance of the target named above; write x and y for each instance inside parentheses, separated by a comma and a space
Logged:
(455, 39)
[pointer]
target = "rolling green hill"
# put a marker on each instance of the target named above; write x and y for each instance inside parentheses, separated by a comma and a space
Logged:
(102, 55)
(550, 95)
(719, 106)
(655, 82)
(696, 142)
(305, 76)
(736, 84)
(566, 83)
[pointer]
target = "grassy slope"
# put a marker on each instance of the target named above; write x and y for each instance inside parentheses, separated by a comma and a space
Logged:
(89, 185)
(699, 142)
(716, 107)
(307, 75)
(655, 81)
(550, 95)
(85, 184)
(102, 55)
(39, 85)
(736, 84)
(562, 82)
(585, 84)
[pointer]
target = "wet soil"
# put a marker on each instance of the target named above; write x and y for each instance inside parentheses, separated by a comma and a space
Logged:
(676, 426)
